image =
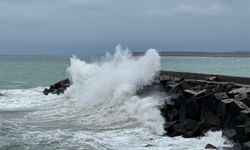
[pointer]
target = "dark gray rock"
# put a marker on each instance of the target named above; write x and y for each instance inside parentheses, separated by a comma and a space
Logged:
(236, 146)
(180, 87)
(57, 88)
(230, 134)
(180, 101)
(244, 115)
(214, 122)
(246, 146)
(231, 122)
(236, 107)
(208, 103)
(192, 93)
(188, 128)
(223, 107)
(210, 146)
(220, 96)
(193, 109)
(242, 136)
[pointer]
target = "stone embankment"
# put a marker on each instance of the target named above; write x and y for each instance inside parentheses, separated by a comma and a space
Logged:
(197, 103)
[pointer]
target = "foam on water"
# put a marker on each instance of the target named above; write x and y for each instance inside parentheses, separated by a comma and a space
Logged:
(136, 138)
(23, 98)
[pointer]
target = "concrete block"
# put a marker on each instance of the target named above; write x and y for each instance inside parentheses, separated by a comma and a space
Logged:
(236, 107)
(240, 93)
(172, 115)
(168, 106)
(180, 101)
(192, 93)
(182, 114)
(46, 91)
(220, 96)
(168, 125)
(165, 78)
(205, 120)
(223, 107)
(180, 87)
(208, 103)
(210, 146)
(247, 126)
(244, 115)
(241, 135)
(188, 128)
(231, 122)
(193, 109)
(230, 134)
(214, 122)
(246, 146)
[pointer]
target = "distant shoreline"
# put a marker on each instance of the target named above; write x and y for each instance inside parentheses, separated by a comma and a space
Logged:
(200, 54)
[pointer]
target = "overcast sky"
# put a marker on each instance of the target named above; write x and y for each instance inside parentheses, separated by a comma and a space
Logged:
(96, 26)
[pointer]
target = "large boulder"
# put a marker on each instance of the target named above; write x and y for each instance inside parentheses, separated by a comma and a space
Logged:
(58, 88)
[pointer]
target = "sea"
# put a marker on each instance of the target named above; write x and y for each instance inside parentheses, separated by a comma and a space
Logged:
(101, 110)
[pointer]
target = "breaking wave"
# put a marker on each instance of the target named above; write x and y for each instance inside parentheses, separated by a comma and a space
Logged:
(109, 88)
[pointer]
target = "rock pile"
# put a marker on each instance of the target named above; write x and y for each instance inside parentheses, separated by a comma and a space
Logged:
(193, 107)
(58, 88)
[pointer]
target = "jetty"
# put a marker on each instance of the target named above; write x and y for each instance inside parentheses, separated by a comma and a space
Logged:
(195, 103)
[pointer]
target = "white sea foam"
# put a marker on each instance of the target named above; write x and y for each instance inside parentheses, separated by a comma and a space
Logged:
(114, 82)
(132, 139)
(24, 98)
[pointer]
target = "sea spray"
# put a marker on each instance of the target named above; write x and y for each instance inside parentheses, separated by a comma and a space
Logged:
(112, 85)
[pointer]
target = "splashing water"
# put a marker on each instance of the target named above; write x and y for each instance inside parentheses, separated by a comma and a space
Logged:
(112, 85)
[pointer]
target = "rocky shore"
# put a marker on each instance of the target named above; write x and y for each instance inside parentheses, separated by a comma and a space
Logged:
(196, 103)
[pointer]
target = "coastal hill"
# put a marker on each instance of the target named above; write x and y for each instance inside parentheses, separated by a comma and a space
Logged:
(201, 54)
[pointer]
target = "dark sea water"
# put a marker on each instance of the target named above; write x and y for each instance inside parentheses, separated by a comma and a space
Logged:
(100, 110)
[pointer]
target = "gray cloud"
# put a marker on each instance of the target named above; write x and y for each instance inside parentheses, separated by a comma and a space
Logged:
(94, 26)
(215, 8)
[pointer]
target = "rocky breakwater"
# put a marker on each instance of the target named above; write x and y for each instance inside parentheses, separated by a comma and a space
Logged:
(192, 106)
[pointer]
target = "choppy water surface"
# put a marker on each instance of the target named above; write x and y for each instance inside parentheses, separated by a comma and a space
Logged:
(100, 110)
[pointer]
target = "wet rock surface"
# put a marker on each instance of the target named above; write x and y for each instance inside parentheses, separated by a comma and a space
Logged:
(57, 88)
(210, 146)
